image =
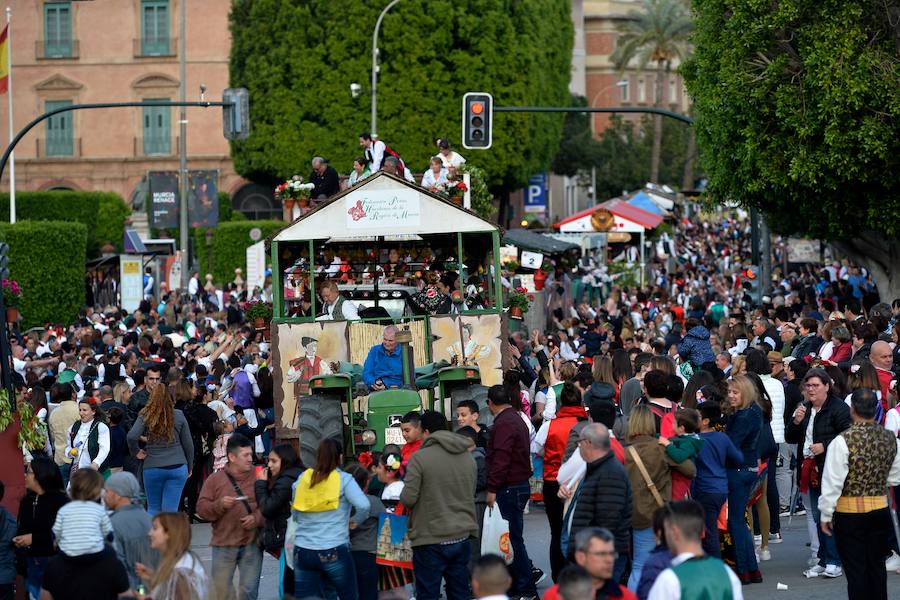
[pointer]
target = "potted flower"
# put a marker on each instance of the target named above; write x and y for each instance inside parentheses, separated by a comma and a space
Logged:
(519, 301)
(294, 190)
(12, 295)
(456, 191)
(258, 313)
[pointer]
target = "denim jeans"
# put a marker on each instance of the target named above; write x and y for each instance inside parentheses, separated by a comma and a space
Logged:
(619, 566)
(366, 574)
(739, 485)
(511, 501)
(315, 568)
(828, 554)
(433, 562)
(34, 574)
(643, 542)
(248, 562)
(712, 506)
(163, 487)
(267, 436)
(65, 470)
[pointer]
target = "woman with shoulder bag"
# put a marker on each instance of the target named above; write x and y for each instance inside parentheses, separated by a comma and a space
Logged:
(649, 473)
(273, 490)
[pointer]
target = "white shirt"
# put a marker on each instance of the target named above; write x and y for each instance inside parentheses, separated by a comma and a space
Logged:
(892, 421)
(776, 393)
(293, 374)
(808, 440)
(430, 180)
(392, 491)
(349, 311)
(837, 464)
(193, 286)
(567, 352)
(667, 586)
(453, 160)
(375, 154)
(19, 366)
(80, 442)
(549, 404)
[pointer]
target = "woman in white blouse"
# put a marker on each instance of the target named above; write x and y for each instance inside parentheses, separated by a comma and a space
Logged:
(435, 178)
(88, 444)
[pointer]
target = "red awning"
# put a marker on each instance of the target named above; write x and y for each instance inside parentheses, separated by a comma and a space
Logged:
(621, 209)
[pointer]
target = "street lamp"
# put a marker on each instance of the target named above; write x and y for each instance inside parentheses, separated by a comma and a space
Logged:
(372, 128)
(622, 83)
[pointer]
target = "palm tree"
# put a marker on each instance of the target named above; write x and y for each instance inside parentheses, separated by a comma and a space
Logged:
(656, 33)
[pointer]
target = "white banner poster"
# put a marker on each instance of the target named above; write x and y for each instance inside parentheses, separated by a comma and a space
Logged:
(131, 281)
(532, 260)
(256, 266)
(383, 209)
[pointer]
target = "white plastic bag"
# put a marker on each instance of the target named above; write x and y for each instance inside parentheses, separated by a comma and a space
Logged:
(495, 535)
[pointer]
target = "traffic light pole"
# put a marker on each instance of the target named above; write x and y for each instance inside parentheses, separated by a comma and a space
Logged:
(590, 109)
(50, 113)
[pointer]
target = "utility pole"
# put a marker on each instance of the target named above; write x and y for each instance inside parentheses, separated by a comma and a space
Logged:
(182, 148)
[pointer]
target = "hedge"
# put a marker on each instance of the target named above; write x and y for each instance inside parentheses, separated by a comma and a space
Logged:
(102, 213)
(111, 220)
(47, 259)
(229, 247)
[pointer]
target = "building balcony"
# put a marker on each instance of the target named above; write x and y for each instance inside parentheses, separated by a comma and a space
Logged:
(58, 149)
(44, 51)
(156, 148)
(165, 47)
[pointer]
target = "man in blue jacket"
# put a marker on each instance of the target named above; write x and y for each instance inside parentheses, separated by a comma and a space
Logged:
(384, 366)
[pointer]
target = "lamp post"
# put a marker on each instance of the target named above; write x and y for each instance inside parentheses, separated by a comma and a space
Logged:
(375, 66)
(622, 83)
(182, 152)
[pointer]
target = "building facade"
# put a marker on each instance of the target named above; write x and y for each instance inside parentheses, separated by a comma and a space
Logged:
(605, 86)
(88, 51)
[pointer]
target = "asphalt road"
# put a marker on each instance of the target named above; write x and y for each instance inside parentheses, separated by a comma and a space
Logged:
(787, 564)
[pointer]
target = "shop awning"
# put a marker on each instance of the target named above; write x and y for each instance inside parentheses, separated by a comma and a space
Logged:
(526, 239)
(628, 218)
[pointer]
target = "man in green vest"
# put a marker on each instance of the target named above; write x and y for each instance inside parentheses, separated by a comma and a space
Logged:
(693, 575)
(860, 465)
(335, 307)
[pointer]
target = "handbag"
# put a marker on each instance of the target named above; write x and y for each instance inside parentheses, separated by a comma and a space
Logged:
(240, 494)
(393, 547)
(640, 465)
(495, 535)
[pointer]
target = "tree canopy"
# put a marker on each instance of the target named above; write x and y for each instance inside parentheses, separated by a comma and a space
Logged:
(798, 110)
(299, 57)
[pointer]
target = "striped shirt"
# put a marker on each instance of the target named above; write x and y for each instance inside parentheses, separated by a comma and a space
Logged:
(81, 528)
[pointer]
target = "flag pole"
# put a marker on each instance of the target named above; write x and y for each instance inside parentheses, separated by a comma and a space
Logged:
(12, 133)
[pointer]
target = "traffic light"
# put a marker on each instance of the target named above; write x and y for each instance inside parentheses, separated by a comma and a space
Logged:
(4, 260)
(478, 108)
(236, 113)
(751, 285)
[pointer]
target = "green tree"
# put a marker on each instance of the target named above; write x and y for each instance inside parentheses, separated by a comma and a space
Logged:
(798, 114)
(657, 33)
(622, 155)
(298, 59)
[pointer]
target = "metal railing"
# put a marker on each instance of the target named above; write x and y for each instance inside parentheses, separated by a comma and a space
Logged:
(58, 149)
(44, 52)
(149, 49)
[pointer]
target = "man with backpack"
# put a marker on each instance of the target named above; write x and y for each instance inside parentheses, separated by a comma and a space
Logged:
(374, 150)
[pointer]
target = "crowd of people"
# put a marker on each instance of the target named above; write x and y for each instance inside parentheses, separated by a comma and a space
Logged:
(665, 431)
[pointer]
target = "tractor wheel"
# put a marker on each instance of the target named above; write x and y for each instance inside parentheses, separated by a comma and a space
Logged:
(320, 418)
(476, 393)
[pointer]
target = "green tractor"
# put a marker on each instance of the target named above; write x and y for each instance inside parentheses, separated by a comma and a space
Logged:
(458, 383)
(328, 411)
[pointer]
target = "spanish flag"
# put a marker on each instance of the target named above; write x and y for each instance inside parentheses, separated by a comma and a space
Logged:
(4, 60)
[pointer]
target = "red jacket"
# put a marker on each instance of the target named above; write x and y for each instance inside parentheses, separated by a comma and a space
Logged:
(609, 590)
(884, 378)
(557, 436)
(508, 455)
(841, 353)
